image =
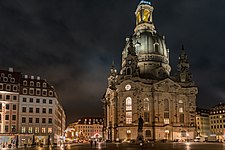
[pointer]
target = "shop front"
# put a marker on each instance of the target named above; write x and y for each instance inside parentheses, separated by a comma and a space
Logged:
(7, 141)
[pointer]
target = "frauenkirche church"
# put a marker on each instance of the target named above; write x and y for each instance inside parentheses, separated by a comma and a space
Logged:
(144, 88)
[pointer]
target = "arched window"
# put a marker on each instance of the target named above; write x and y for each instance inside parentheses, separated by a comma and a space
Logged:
(146, 110)
(156, 47)
(166, 105)
(148, 133)
(128, 103)
(138, 18)
(146, 15)
(128, 110)
(128, 71)
(146, 104)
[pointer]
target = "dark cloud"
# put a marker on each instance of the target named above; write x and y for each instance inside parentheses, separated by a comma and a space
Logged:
(72, 44)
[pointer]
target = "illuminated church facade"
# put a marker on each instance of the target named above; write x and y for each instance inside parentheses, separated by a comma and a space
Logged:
(144, 88)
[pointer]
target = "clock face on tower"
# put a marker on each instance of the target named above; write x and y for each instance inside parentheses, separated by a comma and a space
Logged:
(128, 87)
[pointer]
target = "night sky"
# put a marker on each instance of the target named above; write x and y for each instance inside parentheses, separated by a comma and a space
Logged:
(72, 44)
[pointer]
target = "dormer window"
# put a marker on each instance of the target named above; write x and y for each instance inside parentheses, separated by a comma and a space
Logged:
(31, 83)
(44, 85)
(25, 83)
(38, 84)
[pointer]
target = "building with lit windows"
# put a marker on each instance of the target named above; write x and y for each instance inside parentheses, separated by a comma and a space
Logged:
(145, 88)
(9, 106)
(30, 110)
(202, 124)
(85, 129)
(217, 121)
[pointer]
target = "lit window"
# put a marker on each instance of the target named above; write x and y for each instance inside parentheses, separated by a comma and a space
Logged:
(181, 110)
(146, 104)
(30, 130)
(146, 15)
(49, 130)
(180, 102)
(43, 130)
(23, 130)
(166, 121)
(128, 103)
(128, 117)
(36, 129)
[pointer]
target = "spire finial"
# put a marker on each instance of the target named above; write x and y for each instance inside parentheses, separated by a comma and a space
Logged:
(182, 47)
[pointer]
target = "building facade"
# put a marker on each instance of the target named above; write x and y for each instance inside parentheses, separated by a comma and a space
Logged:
(85, 129)
(202, 124)
(217, 121)
(30, 110)
(145, 88)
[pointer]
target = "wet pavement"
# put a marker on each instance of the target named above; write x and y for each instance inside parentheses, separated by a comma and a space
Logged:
(123, 146)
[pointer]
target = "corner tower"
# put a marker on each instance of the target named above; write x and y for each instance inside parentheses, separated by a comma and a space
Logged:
(150, 47)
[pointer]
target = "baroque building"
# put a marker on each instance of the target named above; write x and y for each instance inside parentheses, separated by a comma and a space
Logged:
(85, 129)
(145, 88)
(30, 112)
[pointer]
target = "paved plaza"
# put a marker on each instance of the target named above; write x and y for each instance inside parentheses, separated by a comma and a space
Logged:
(150, 146)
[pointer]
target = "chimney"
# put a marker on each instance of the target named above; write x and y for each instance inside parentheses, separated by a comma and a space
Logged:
(25, 76)
(38, 78)
(10, 69)
(32, 77)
